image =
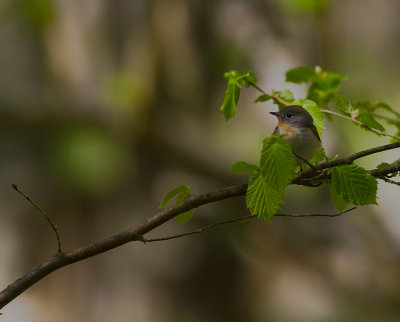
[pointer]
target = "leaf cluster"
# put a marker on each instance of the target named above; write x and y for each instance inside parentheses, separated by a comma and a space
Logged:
(349, 183)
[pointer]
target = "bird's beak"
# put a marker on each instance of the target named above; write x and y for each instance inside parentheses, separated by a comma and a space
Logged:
(275, 113)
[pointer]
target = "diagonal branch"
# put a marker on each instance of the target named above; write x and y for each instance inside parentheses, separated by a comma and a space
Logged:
(136, 234)
(348, 160)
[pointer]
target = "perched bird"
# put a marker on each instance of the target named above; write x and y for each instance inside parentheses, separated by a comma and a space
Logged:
(302, 135)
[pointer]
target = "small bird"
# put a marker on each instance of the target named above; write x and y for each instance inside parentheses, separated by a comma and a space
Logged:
(302, 135)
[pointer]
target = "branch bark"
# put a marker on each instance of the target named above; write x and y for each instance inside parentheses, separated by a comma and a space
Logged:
(62, 259)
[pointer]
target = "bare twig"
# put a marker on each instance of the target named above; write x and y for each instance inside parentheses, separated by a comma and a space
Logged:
(241, 220)
(43, 213)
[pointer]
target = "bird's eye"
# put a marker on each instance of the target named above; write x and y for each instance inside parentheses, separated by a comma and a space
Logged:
(288, 115)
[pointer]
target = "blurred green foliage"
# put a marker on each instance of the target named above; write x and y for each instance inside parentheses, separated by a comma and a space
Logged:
(88, 159)
(305, 6)
(39, 14)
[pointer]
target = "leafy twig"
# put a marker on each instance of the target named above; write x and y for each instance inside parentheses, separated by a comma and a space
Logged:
(280, 100)
(348, 160)
(276, 98)
(241, 220)
(137, 233)
(359, 123)
(43, 213)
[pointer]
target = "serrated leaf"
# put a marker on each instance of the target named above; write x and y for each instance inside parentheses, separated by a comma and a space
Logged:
(261, 199)
(267, 186)
(263, 98)
(324, 85)
(300, 74)
(277, 163)
(336, 199)
(315, 112)
(285, 94)
(354, 184)
(344, 106)
(243, 167)
(369, 121)
(236, 80)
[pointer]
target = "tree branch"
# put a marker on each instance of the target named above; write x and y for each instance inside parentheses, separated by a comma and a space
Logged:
(348, 160)
(43, 213)
(279, 100)
(136, 234)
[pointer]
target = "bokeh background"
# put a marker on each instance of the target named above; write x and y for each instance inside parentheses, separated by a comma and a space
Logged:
(105, 105)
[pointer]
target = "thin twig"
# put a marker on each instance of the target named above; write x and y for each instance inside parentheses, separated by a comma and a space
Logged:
(390, 181)
(316, 215)
(280, 100)
(52, 225)
(360, 123)
(241, 220)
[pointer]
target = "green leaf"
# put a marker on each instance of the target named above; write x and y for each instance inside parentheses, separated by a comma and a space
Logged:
(369, 121)
(300, 74)
(336, 199)
(181, 193)
(318, 157)
(354, 184)
(383, 165)
(394, 140)
(267, 187)
(261, 199)
(285, 94)
(183, 218)
(263, 98)
(236, 80)
(231, 99)
(344, 106)
(315, 112)
(243, 167)
(250, 78)
(277, 163)
(183, 190)
(324, 85)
